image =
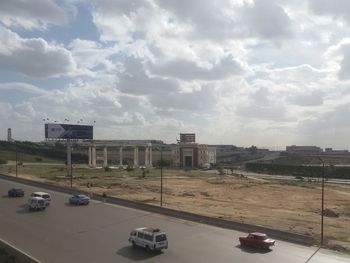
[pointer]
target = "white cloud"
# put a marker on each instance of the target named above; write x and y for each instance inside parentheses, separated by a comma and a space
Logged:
(22, 87)
(334, 8)
(189, 70)
(31, 14)
(33, 57)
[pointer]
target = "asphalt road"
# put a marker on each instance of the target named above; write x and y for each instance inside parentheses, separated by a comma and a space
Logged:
(99, 233)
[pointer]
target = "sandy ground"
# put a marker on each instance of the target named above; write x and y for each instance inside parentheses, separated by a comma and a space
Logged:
(286, 205)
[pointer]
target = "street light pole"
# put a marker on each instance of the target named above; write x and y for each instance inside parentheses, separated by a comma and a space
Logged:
(323, 173)
(161, 176)
(16, 160)
(322, 198)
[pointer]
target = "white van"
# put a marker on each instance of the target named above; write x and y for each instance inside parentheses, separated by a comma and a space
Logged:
(44, 195)
(37, 203)
(148, 238)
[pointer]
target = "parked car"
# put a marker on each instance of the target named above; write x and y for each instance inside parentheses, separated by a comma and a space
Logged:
(258, 240)
(44, 195)
(37, 203)
(15, 192)
(79, 200)
(148, 238)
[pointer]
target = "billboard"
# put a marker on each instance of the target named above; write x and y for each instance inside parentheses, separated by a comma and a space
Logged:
(68, 131)
(187, 137)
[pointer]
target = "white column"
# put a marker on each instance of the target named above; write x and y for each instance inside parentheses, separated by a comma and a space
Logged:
(121, 156)
(90, 157)
(136, 156)
(150, 157)
(105, 158)
(146, 157)
(93, 151)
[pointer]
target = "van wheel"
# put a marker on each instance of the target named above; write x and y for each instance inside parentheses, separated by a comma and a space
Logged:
(147, 248)
(133, 244)
(44, 208)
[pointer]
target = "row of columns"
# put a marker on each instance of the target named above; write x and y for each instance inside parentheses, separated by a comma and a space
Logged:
(148, 156)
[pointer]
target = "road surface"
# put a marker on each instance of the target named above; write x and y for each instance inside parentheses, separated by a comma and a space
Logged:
(99, 233)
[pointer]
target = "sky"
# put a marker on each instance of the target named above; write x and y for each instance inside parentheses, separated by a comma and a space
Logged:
(268, 73)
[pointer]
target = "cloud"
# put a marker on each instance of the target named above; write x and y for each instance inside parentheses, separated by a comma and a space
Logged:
(189, 70)
(313, 98)
(31, 14)
(202, 100)
(34, 57)
(22, 87)
(267, 20)
(335, 8)
(344, 72)
(135, 80)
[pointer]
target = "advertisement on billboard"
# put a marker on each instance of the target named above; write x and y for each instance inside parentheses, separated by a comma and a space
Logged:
(68, 131)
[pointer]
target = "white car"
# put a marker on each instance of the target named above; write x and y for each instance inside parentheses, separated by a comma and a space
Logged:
(148, 238)
(37, 203)
(44, 195)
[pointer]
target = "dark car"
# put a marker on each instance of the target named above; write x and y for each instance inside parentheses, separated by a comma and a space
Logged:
(258, 240)
(15, 192)
(79, 200)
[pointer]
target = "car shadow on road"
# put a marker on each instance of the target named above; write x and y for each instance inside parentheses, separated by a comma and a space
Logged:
(24, 209)
(5, 196)
(253, 250)
(137, 254)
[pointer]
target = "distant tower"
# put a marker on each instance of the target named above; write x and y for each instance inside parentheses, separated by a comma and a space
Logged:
(9, 135)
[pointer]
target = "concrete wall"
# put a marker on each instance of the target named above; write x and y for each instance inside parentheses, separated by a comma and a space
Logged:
(16, 255)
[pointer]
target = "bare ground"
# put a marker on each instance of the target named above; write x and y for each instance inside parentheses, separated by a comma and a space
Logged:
(286, 205)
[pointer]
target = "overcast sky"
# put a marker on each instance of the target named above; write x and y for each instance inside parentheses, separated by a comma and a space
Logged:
(266, 72)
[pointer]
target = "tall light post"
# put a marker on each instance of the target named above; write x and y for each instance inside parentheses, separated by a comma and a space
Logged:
(16, 159)
(161, 176)
(322, 198)
(161, 173)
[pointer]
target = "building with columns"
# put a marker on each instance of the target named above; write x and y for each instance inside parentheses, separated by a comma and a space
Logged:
(120, 152)
(148, 153)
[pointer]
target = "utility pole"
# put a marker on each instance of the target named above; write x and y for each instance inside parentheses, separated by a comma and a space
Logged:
(69, 161)
(322, 199)
(16, 160)
(323, 175)
(161, 176)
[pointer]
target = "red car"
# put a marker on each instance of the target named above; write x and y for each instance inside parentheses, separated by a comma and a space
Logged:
(258, 240)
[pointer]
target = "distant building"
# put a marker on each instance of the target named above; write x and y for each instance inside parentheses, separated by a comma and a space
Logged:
(9, 135)
(303, 150)
(187, 137)
(189, 154)
(330, 151)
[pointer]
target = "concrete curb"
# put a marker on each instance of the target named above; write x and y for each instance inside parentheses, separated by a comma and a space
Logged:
(20, 256)
(278, 234)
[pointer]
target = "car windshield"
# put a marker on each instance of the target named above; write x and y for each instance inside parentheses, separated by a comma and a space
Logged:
(260, 237)
(46, 196)
(161, 237)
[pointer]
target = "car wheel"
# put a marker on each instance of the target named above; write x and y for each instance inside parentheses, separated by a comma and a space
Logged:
(133, 244)
(147, 248)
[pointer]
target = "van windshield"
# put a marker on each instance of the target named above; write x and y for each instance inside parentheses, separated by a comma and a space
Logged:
(160, 238)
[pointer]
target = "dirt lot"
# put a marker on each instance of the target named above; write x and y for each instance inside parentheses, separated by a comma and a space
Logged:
(286, 205)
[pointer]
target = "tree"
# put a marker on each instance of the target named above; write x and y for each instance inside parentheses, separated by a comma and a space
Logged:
(253, 149)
